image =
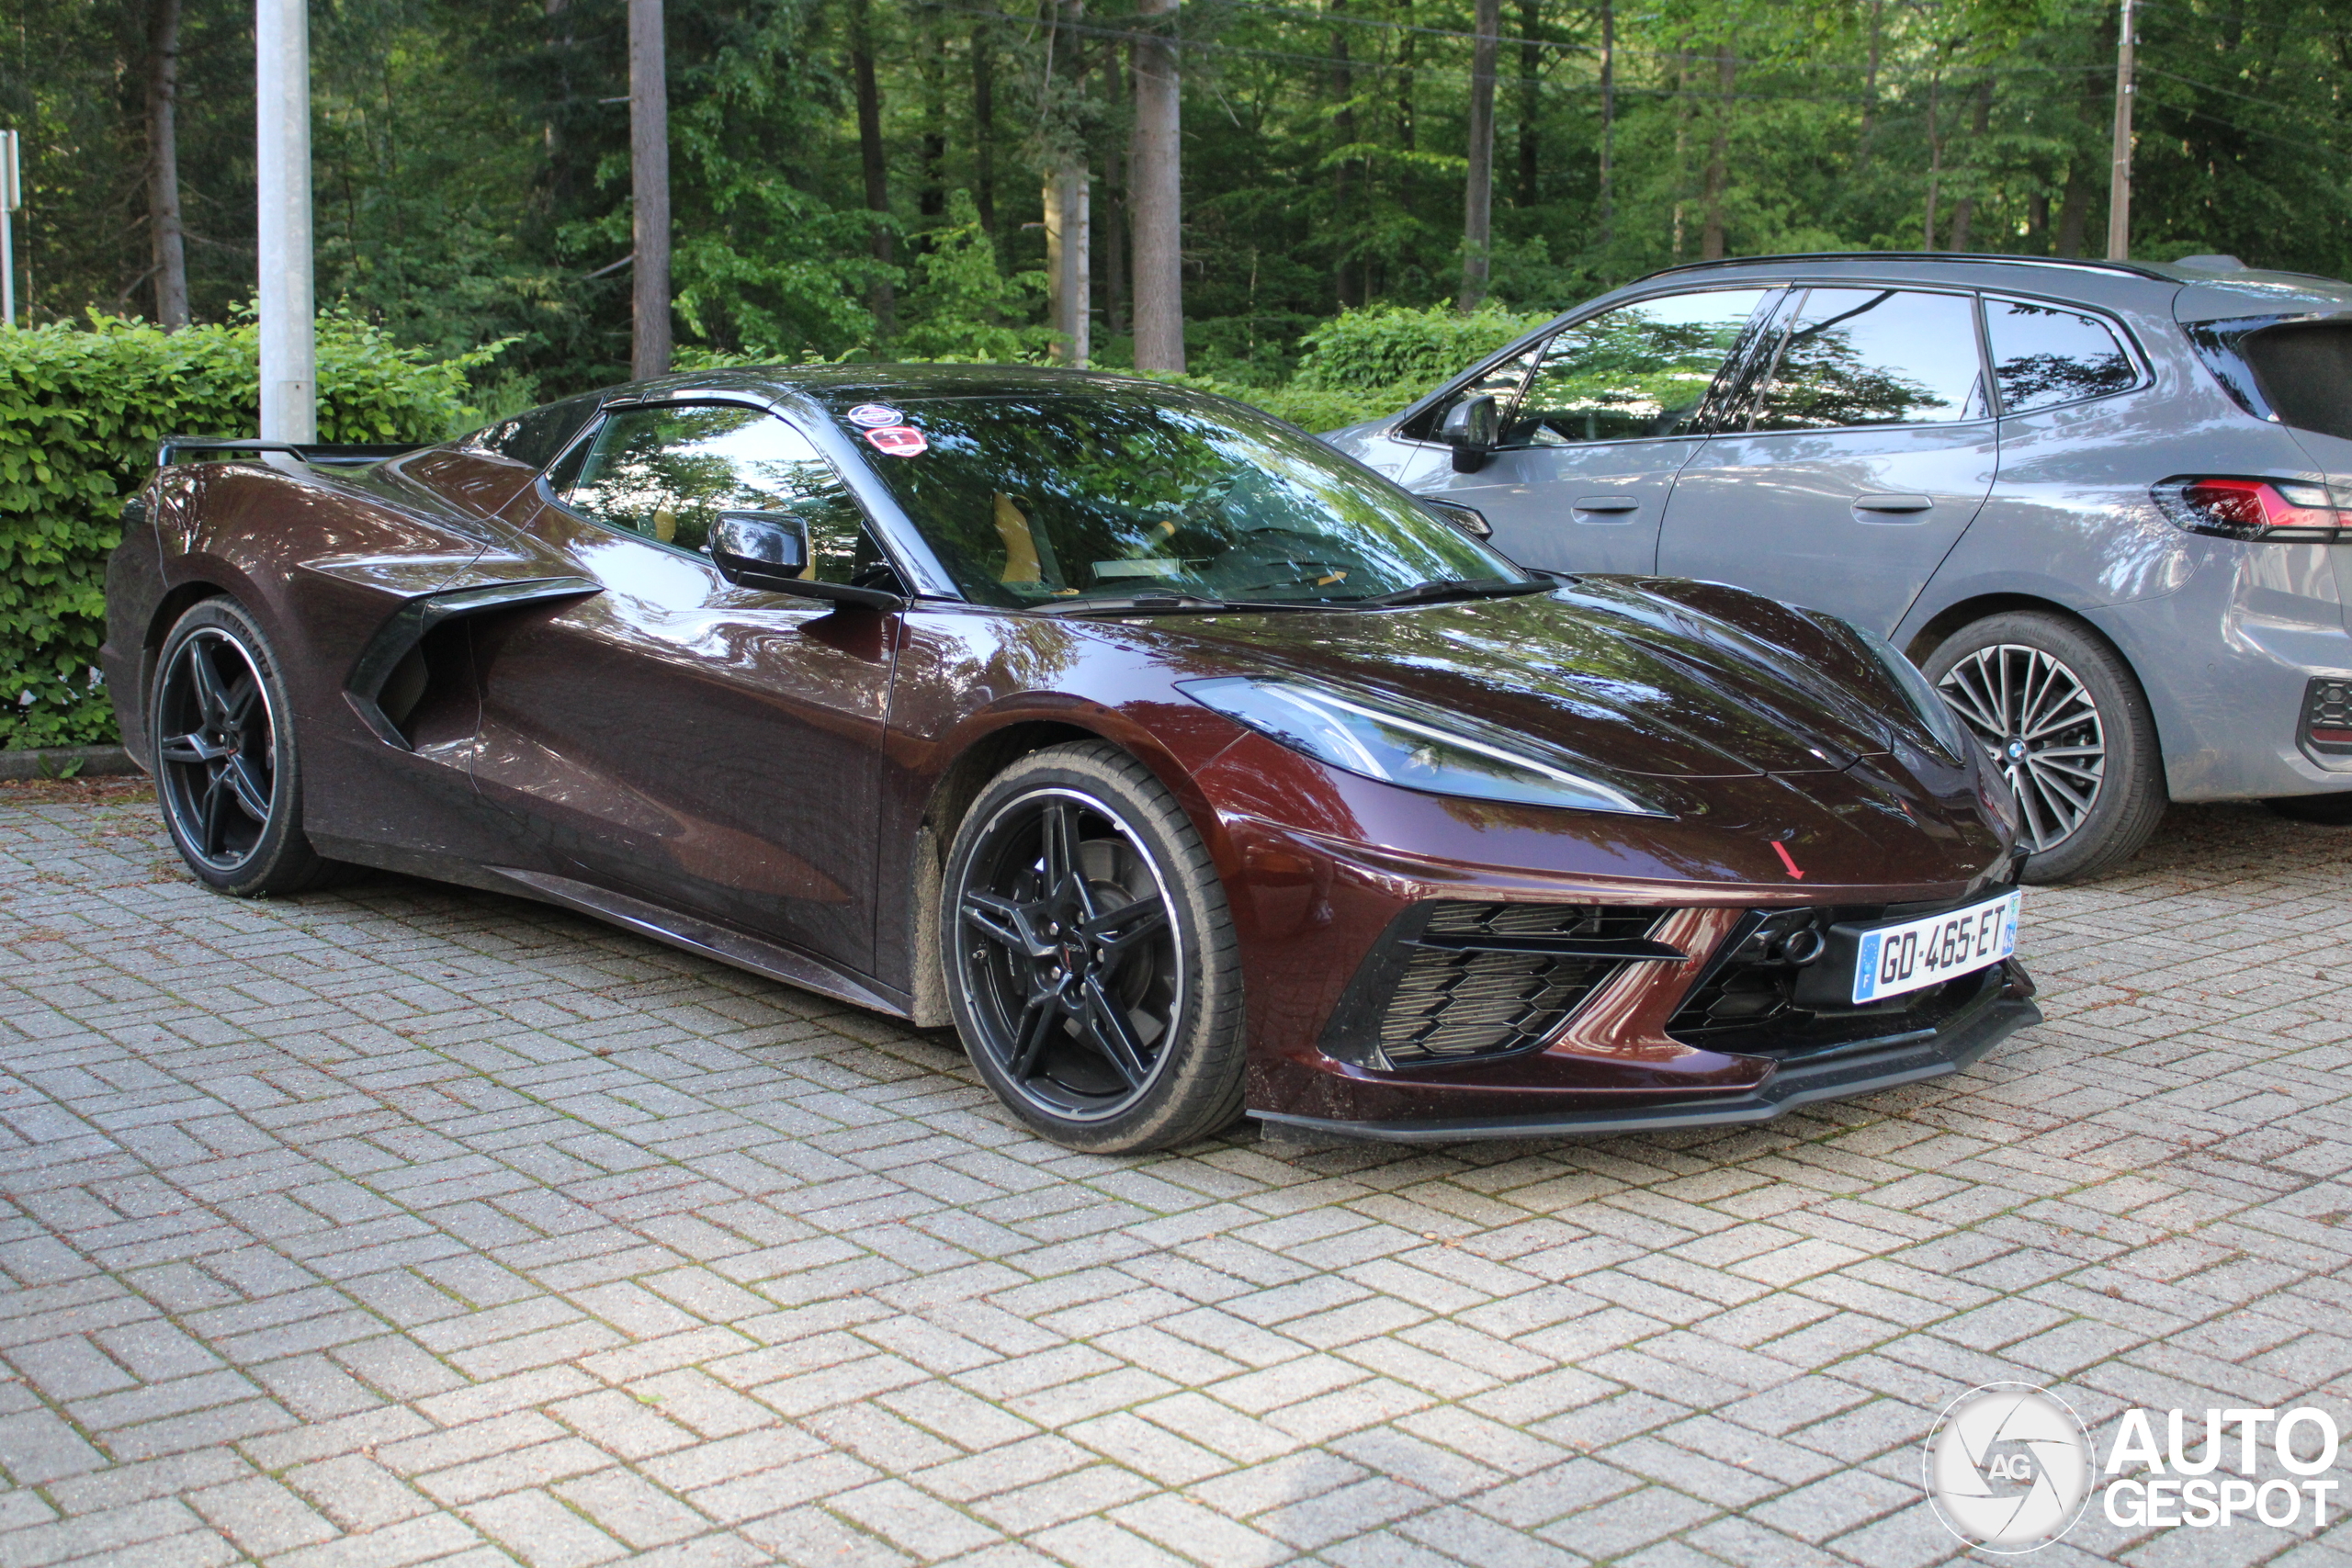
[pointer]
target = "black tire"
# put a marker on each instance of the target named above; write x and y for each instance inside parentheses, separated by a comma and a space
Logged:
(1104, 1009)
(2327, 810)
(227, 768)
(2064, 719)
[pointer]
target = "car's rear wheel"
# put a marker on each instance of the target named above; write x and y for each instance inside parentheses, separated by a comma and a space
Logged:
(227, 768)
(1091, 959)
(2066, 724)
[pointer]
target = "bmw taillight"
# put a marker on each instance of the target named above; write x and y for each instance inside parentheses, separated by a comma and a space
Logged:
(2275, 511)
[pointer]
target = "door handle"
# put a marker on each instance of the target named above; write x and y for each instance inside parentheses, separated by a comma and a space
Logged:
(1605, 503)
(1893, 503)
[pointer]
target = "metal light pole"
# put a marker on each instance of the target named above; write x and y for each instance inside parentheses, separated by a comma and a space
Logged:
(289, 375)
(2119, 184)
(12, 197)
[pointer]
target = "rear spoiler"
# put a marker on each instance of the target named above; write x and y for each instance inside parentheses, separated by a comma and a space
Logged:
(173, 446)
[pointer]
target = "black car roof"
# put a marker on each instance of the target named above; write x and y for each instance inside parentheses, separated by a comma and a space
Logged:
(837, 383)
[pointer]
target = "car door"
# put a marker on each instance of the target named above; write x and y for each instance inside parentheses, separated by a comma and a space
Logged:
(1608, 412)
(1863, 450)
(704, 747)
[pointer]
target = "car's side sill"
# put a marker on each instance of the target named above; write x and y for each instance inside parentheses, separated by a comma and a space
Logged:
(1835, 1074)
(771, 959)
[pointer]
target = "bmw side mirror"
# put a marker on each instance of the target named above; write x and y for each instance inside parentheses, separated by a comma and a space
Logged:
(769, 550)
(761, 549)
(1473, 428)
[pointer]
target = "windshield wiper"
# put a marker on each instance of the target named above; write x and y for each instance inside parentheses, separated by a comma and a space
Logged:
(1150, 604)
(1454, 588)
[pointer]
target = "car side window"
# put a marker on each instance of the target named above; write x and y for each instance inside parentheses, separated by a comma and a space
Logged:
(1856, 356)
(1502, 382)
(1642, 369)
(666, 473)
(2044, 354)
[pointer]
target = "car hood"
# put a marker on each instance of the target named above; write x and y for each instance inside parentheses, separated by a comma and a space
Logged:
(1641, 683)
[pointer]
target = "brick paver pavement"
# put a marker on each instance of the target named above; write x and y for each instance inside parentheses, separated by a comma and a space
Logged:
(406, 1225)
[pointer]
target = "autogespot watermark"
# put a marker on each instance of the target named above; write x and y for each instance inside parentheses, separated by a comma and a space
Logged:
(2010, 1468)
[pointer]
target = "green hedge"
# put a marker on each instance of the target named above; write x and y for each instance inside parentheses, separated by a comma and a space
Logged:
(81, 406)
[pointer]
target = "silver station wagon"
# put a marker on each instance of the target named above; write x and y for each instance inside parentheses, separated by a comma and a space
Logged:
(2107, 507)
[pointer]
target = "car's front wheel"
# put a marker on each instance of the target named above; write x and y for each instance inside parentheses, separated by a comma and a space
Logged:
(227, 769)
(2065, 723)
(1091, 960)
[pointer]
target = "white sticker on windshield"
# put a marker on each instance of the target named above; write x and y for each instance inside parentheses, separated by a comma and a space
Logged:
(875, 415)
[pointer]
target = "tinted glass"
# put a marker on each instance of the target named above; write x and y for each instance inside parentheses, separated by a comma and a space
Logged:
(1641, 369)
(2042, 354)
(1876, 356)
(667, 473)
(1047, 498)
(2306, 373)
(1501, 383)
(538, 435)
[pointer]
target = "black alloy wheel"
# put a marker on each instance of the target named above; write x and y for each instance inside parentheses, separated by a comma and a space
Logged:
(1076, 900)
(225, 766)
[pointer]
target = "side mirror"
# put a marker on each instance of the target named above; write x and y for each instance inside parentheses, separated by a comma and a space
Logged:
(761, 549)
(769, 550)
(1473, 428)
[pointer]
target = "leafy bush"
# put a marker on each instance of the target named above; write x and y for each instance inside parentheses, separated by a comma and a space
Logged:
(1382, 348)
(81, 411)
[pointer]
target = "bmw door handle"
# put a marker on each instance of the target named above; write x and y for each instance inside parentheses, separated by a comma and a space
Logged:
(1893, 505)
(1606, 504)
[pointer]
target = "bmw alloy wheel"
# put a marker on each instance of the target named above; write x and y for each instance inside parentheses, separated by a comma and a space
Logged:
(2042, 729)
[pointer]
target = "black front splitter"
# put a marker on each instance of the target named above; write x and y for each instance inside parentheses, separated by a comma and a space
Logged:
(1863, 1068)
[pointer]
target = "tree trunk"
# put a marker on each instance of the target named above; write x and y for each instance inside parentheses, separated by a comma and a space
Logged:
(1934, 161)
(931, 195)
(1964, 211)
(1479, 198)
(1347, 173)
(164, 229)
(2037, 223)
(1608, 121)
(1711, 236)
(562, 182)
(984, 123)
(1069, 288)
(2074, 211)
(1870, 90)
(880, 297)
(649, 138)
(1156, 192)
(1530, 98)
(1117, 228)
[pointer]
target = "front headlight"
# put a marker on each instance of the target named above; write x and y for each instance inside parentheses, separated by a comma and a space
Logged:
(1407, 744)
(1925, 701)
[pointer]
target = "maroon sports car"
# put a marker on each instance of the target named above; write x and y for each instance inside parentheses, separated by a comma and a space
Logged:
(1186, 767)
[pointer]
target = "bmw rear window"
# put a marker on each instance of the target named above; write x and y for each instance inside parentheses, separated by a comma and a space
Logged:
(2305, 372)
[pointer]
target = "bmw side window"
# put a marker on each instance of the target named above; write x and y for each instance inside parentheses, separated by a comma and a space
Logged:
(1502, 382)
(1856, 356)
(2043, 355)
(1642, 369)
(666, 473)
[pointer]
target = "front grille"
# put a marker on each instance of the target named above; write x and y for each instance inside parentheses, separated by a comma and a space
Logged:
(1477, 982)
(1749, 1001)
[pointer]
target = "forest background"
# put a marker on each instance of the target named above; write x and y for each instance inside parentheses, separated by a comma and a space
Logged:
(863, 177)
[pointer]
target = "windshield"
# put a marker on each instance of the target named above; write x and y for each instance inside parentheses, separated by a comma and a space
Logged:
(1058, 499)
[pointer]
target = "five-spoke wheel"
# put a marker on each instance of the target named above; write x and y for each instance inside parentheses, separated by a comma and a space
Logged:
(225, 759)
(1089, 955)
(2064, 722)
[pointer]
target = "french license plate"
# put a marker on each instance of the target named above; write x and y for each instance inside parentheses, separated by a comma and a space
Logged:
(1916, 953)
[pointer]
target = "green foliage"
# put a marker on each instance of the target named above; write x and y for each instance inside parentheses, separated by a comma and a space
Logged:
(1385, 346)
(81, 407)
(966, 308)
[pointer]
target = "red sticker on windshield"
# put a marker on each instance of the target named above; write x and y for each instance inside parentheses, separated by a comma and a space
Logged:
(898, 440)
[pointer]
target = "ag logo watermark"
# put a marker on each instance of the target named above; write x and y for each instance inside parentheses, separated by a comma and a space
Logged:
(2010, 1468)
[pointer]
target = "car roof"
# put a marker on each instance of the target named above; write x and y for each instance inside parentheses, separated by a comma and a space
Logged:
(2200, 288)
